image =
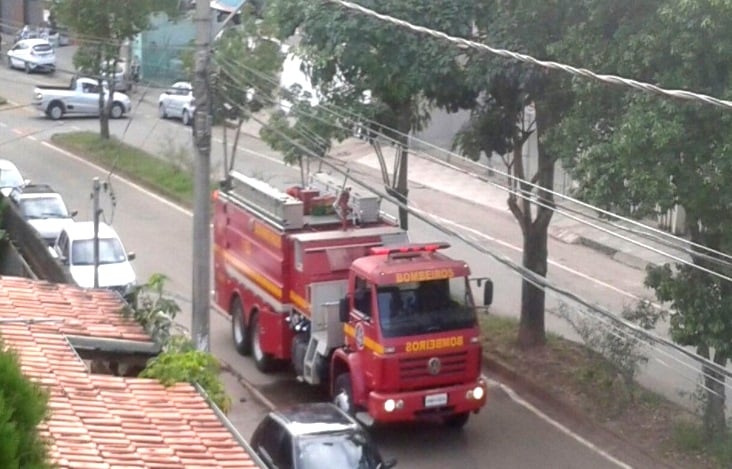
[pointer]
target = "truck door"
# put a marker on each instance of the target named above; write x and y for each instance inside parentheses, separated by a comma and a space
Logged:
(365, 327)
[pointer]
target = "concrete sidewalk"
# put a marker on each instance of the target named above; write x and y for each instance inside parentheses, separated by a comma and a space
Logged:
(571, 223)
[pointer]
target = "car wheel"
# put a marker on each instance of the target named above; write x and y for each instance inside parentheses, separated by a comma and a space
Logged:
(117, 111)
(239, 332)
(10, 62)
(264, 361)
(457, 421)
(343, 394)
(27, 67)
(186, 118)
(162, 112)
(55, 111)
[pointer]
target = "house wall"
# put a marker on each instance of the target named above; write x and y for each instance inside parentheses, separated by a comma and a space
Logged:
(16, 13)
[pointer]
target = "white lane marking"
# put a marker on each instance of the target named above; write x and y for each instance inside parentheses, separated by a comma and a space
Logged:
(120, 178)
(551, 262)
(591, 446)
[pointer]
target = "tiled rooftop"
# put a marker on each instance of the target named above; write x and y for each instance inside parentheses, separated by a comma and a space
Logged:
(100, 421)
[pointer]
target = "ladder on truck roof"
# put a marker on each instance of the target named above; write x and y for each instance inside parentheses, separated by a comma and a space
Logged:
(287, 212)
(281, 209)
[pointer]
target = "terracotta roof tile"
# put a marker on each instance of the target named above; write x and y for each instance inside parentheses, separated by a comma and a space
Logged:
(107, 422)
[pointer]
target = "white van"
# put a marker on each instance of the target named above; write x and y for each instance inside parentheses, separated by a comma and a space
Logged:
(74, 248)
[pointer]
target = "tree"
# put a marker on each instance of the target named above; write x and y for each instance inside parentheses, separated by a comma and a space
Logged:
(642, 155)
(514, 101)
(246, 58)
(362, 66)
(22, 409)
(103, 27)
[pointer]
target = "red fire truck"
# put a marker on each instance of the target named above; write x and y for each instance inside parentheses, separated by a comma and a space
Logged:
(319, 277)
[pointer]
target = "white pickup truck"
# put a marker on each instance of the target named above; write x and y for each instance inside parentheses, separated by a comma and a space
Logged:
(81, 98)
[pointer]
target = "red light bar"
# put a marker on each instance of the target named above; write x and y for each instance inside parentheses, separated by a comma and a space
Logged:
(409, 248)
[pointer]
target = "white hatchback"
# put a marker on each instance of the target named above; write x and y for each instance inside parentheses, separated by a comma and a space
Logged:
(75, 249)
(178, 102)
(32, 55)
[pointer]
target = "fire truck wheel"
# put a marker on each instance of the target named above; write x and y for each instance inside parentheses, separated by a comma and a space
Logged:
(457, 420)
(343, 394)
(264, 361)
(239, 331)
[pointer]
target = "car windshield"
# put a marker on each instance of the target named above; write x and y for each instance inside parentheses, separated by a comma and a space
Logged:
(336, 451)
(43, 207)
(42, 48)
(425, 307)
(10, 178)
(110, 251)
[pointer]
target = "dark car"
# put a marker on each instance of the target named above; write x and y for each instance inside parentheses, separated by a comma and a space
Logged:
(315, 436)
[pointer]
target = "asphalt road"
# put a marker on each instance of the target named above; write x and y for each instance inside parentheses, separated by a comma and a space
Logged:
(507, 434)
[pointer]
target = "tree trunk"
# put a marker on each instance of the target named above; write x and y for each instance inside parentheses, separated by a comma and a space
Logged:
(531, 326)
(104, 115)
(715, 422)
(402, 185)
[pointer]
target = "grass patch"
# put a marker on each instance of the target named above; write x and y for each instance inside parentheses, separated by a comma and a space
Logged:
(169, 179)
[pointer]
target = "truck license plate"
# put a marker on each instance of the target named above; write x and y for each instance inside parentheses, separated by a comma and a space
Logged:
(435, 400)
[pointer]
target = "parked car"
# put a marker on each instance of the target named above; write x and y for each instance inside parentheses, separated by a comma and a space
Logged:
(74, 248)
(10, 177)
(315, 436)
(122, 76)
(81, 97)
(43, 208)
(32, 55)
(178, 102)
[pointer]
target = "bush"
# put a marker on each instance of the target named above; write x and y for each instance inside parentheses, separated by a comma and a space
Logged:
(23, 405)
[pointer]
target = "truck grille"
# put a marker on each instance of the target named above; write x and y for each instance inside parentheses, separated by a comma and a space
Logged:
(416, 370)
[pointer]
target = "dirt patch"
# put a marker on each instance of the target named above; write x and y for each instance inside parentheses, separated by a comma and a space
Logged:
(578, 388)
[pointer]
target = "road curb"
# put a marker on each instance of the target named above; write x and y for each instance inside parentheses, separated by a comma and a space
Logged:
(256, 394)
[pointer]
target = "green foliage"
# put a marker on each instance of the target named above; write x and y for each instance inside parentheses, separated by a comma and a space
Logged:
(192, 366)
(154, 311)
(179, 360)
(22, 408)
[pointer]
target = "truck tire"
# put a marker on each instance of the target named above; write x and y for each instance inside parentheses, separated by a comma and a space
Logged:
(457, 421)
(264, 361)
(239, 331)
(55, 111)
(343, 394)
(117, 111)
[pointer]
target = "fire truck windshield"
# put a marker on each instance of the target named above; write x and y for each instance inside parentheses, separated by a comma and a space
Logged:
(407, 309)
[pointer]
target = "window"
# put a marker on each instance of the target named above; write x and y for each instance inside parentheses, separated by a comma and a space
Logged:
(362, 299)
(110, 251)
(273, 443)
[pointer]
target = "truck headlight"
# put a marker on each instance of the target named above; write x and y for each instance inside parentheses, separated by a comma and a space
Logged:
(476, 393)
(390, 405)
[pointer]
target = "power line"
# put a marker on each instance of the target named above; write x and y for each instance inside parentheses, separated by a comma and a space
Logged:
(533, 200)
(583, 72)
(525, 273)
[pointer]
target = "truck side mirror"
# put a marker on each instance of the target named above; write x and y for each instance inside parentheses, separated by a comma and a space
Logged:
(488, 293)
(343, 310)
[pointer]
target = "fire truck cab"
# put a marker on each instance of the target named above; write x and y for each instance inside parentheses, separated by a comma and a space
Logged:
(319, 277)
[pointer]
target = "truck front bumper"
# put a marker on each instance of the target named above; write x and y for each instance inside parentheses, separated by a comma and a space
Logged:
(427, 404)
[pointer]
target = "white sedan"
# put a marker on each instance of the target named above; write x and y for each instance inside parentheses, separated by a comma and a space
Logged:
(177, 102)
(32, 55)
(10, 177)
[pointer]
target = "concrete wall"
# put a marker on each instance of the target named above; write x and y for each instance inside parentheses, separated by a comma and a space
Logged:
(16, 13)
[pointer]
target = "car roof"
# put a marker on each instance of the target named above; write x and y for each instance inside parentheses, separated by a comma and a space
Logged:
(85, 230)
(7, 164)
(182, 84)
(35, 189)
(315, 418)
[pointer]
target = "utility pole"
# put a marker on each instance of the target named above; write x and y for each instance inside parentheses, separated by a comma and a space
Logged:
(95, 206)
(201, 288)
